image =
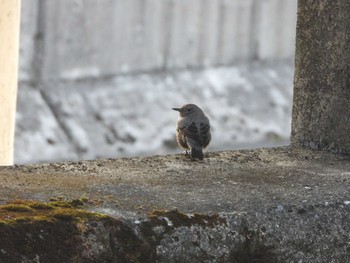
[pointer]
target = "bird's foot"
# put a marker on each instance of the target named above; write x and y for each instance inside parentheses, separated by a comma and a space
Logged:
(186, 152)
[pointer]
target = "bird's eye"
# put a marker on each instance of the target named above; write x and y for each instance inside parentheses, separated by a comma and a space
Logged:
(188, 110)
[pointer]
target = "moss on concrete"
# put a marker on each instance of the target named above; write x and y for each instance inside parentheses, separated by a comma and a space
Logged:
(32, 231)
(30, 211)
(264, 205)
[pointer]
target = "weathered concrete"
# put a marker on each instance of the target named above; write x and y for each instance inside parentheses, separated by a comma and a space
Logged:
(265, 205)
(321, 111)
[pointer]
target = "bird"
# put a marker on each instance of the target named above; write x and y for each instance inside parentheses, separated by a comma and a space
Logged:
(193, 130)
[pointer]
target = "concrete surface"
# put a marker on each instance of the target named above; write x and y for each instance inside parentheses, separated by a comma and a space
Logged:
(268, 205)
(321, 113)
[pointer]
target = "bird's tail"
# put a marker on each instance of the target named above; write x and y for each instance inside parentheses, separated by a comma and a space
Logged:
(197, 153)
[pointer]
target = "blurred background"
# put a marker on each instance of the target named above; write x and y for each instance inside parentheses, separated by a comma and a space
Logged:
(99, 78)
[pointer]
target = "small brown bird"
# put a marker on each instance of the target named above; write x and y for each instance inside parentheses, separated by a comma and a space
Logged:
(193, 130)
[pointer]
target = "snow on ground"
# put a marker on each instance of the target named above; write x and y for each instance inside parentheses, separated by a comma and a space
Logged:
(131, 115)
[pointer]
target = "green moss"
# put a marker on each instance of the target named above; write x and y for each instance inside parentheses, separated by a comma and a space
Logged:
(58, 198)
(84, 199)
(21, 211)
(22, 219)
(42, 218)
(69, 204)
(73, 213)
(77, 203)
(41, 206)
(16, 208)
(53, 230)
(62, 204)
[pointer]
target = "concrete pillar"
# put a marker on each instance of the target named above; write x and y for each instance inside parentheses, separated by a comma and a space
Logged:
(9, 48)
(321, 106)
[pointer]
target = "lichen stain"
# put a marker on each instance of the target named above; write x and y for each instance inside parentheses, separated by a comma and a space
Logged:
(178, 219)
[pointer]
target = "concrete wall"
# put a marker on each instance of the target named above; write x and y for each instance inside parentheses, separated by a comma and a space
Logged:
(321, 112)
(87, 69)
(87, 38)
(284, 204)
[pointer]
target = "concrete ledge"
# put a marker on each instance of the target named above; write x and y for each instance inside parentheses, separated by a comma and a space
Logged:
(265, 205)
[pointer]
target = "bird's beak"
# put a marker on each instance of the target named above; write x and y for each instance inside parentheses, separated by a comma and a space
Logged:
(177, 109)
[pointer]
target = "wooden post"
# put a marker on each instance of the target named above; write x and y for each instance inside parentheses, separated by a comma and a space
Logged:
(9, 49)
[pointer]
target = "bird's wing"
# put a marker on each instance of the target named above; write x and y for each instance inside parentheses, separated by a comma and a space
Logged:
(204, 128)
(196, 133)
(191, 131)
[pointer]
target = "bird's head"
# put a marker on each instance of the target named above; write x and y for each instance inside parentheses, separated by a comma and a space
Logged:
(187, 109)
